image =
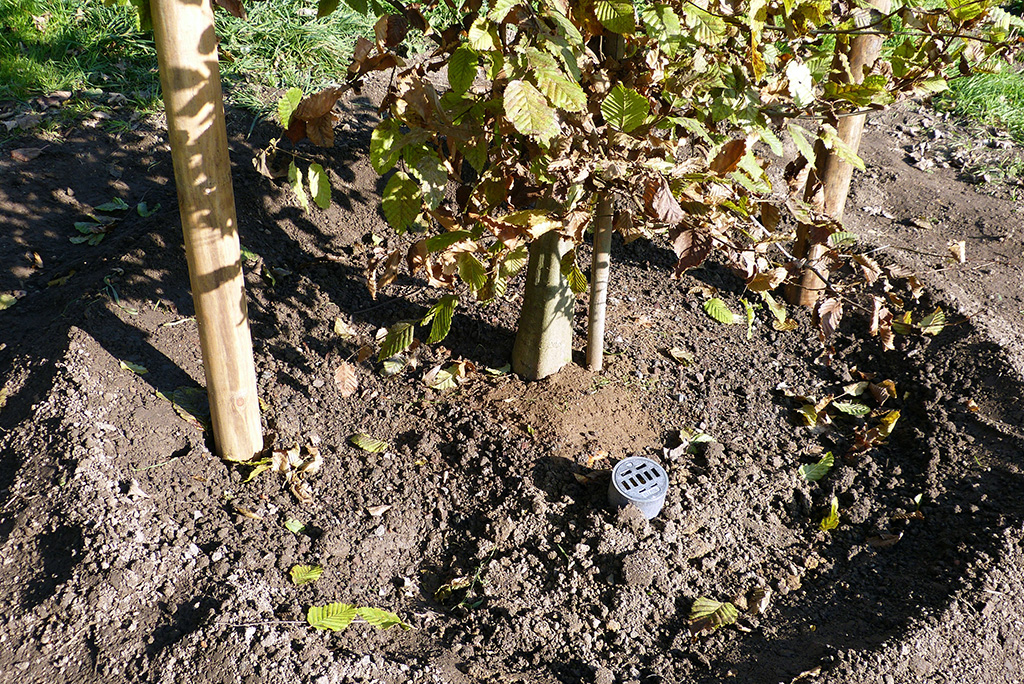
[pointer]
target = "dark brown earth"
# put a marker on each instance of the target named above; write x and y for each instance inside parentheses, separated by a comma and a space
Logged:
(125, 555)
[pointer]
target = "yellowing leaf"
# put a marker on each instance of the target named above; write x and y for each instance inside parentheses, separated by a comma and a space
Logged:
(295, 180)
(933, 323)
(527, 109)
(286, 106)
(368, 443)
(381, 619)
(334, 616)
(294, 526)
(801, 83)
(136, 368)
(616, 15)
(304, 574)
(831, 521)
(816, 471)
(717, 309)
(851, 408)
(319, 185)
(401, 201)
(707, 615)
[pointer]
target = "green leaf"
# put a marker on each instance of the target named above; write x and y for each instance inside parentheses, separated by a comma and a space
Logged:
(559, 90)
(500, 9)
(839, 147)
(842, 239)
(801, 83)
(707, 28)
(462, 68)
(707, 615)
(304, 574)
(384, 147)
(933, 323)
(136, 368)
(144, 211)
(717, 309)
(334, 616)
(398, 339)
(527, 109)
(7, 301)
(295, 180)
(361, 6)
(401, 202)
(254, 473)
(437, 243)
(616, 15)
(433, 177)
(965, 10)
(569, 30)
(326, 7)
(662, 24)
(319, 185)
(748, 311)
(440, 318)
(442, 380)
(116, 204)
(471, 271)
(624, 108)
(802, 142)
(294, 526)
(816, 471)
(381, 618)
(851, 408)
(368, 443)
(831, 521)
(483, 37)
(286, 106)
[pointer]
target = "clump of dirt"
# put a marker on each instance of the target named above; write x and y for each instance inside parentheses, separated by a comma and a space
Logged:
(131, 553)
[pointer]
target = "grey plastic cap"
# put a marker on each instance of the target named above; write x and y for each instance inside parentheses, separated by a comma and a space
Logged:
(641, 482)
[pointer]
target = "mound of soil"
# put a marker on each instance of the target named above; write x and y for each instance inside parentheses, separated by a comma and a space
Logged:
(131, 553)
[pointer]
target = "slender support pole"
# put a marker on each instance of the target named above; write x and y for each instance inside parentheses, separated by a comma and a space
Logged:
(599, 271)
(831, 175)
(190, 78)
(614, 48)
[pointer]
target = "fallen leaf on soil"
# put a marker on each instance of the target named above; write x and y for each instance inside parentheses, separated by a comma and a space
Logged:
(7, 301)
(136, 368)
(707, 615)
(245, 512)
(305, 574)
(831, 521)
(300, 488)
(884, 540)
(717, 309)
(972, 406)
(365, 352)
(346, 379)
(377, 511)
(959, 251)
(24, 154)
(294, 526)
(683, 358)
(445, 591)
(816, 471)
(758, 599)
(368, 443)
(343, 329)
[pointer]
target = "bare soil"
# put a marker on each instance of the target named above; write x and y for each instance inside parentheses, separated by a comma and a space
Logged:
(131, 553)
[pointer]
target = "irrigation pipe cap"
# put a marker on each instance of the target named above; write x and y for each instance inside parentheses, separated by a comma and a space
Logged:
(641, 482)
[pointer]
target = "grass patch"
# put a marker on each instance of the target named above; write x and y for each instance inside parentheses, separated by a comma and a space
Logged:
(50, 45)
(993, 99)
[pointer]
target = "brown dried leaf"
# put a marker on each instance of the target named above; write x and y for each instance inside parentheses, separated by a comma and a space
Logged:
(346, 379)
(24, 154)
(234, 7)
(769, 280)
(377, 511)
(302, 492)
(321, 131)
(390, 30)
(390, 269)
(660, 204)
(691, 246)
(729, 157)
(959, 251)
(417, 257)
(317, 105)
(830, 313)
(869, 268)
(770, 216)
(884, 540)
(883, 391)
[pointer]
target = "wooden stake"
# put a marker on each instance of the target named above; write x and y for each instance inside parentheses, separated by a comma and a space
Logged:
(831, 175)
(599, 271)
(190, 77)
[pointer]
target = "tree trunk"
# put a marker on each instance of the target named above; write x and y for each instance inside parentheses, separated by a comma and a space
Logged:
(599, 271)
(831, 175)
(190, 78)
(544, 338)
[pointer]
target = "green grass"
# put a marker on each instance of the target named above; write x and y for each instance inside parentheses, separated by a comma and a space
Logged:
(76, 45)
(994, 99)
(49, 45)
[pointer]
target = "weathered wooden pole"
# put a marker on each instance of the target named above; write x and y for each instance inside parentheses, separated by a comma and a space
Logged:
(190, 78)
(831, 175)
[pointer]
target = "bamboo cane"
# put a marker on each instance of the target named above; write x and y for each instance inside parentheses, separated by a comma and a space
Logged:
(190, 78)
(831, 173)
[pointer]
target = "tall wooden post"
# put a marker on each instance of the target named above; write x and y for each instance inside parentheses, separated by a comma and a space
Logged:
(189, 75)
(831, 175)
